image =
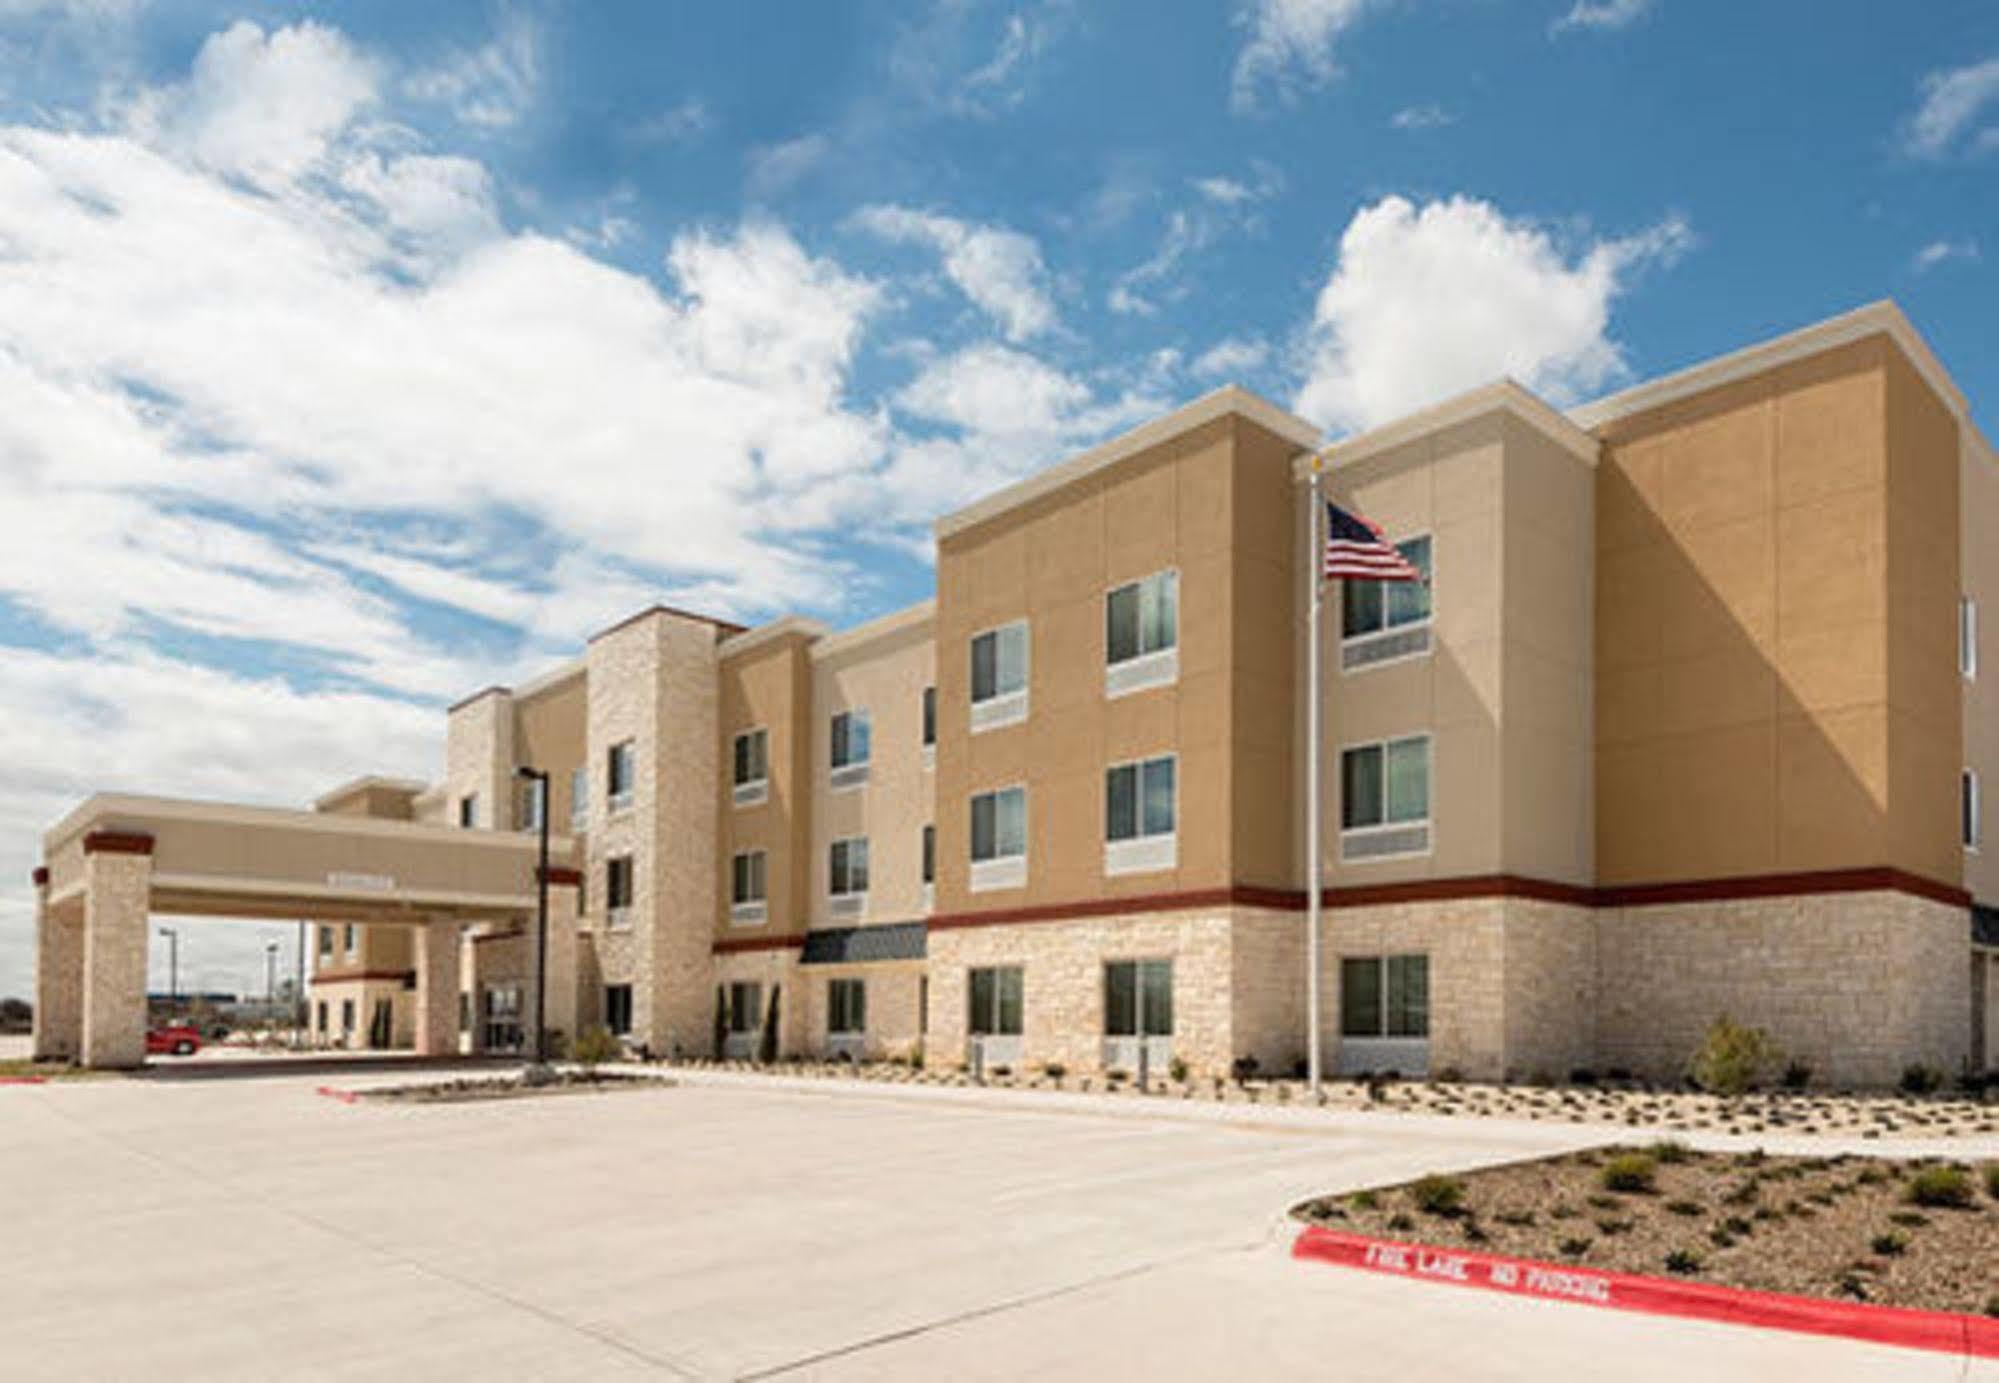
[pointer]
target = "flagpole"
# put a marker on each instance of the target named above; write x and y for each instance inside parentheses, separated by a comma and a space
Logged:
(1316, 561)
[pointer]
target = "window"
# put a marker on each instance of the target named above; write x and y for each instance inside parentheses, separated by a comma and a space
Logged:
(1135, 989)
(321, 1016)
(846, 1008)
(746, 890)
(346, 1015)
(929, 854)
(751, 768)
(930, 717)
(847, 867)
(852, 745)
(468, 811)
(620, 771)
(996, 997)
(1972, 808)
(999, 839)
(746, 1003)
(1967, 637)
(618, 1009)
(1385, 798)
(1139, 812)
(618, 890)
(999, 676)
(1385, 996)
(1374, 607)
(579, 798)
(532, 793)
(1142, 634)
(348, 938)
(325, 944)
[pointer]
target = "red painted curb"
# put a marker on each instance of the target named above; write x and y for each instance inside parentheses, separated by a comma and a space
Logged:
(24, 1080)
(1944, 1331)
(344, 1096)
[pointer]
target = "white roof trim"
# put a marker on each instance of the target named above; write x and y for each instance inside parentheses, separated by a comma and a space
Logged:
(1226, 400)
(1882, 317)
(1501, 396)
(764, 633)
(875, 630)
(369, 780)
(120, 811)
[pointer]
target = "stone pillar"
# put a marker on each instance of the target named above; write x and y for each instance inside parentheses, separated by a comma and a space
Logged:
(58, 978)
(117, 892)
(562, 990)
(436, 948)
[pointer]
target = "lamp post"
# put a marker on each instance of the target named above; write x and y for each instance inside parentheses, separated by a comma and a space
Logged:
(539, 777)
(270, 979)
(298, 991)
(173, 965)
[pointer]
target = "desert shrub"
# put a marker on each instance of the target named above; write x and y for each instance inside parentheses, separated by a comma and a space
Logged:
(1683, 1262)
(1000, 1072)
(1519, 1219)
(1992, 1180)
(1909, 1219)
(1582, 1075)
(1611, 1224)
(1797, 1074)
(1437, 1195)
(1918, 1079)
(1176, 1070)
(1450, 1075)
(1632, 1171)
(1687, 1208)
(1870, 1176)
(1736, 1225)
(1400, 1223)
(1940, 1187)
(1670, 1150)
(1243, 1068)
(596, 1045)
(1720, 1237)
(1731, 1058)
(1574, 1248)
(1054, 1070)
(1891, 1244)
(1363, 1200)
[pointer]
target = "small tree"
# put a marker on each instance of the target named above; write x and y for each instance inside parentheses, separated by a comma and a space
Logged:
(767, 1050)
(1732, 1057)
(594, 1047)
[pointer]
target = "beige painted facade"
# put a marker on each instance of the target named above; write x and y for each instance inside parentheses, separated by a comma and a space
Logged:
(1688, 694)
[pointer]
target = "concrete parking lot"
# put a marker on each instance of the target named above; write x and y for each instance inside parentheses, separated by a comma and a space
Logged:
(733, 1229)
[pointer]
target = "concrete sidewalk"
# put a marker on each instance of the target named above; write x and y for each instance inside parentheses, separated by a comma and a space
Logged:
(733, 1228)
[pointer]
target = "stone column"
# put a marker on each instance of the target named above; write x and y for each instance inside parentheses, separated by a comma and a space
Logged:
(117, 893)
(563, 995)
(436, 948)
(58, 978)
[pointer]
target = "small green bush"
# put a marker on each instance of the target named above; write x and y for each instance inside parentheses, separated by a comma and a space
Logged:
(1731, 1058)
(1687, 1208)
(1363, 1200)
(1941, 1188)
(596, 1045)
(1670, 1150)
(1054, 1070)
(1992, 1180)
(1438, 1195)
(1918, 1079)
(1632, 1171)
(1574, 1247)
(1797, 1074)
(1683, 1262)
(1400, 1222)
(1720, 1238)
(1176, 1070)
(1891, 1244)
(1909, 1219)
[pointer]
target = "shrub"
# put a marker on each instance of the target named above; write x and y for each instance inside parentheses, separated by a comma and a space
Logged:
(1721, 1238)
(1731, 1057)
(1797, 1074)
(1243, 1068)
(1918, 1079)
(1000, 1072)
(1992, 1180)
(1891, 1244)
(1735, 1224)
(1574, 1248)
(1610, 1224)
(1940, 1187)
(916, 1055)
(1363, 1200)
(1670, 1150)
(596, 1045)
(1054, 1070)
(1437, 1195)
(1909, 1219)
(1176, 1070)
(1519, 1219)
(1450, 1075)
(1400, 1223)
(1582, 1075)
(1632, 1171)
(1687, 1208)
(1683, 1262)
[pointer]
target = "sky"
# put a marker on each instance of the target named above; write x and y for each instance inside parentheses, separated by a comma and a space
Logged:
(355, 356)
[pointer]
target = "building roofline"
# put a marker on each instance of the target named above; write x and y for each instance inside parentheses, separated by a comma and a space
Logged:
(723, 627)
(781, 627)
(550, 680)
(107, 808)
(1501, 396)
(875, 630)
(1230, 399)
(369, 780)
(1876, 318)
(462, 702)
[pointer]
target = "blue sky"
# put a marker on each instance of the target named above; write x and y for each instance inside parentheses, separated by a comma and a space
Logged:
(353, 356)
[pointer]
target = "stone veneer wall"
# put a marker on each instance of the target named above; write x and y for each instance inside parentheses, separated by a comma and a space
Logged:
(1466, 942)
(58, 1031)
(479, 759)
(1549, 987)
(1267, 966)
(1857, 984)
(894, 994)
(776, 967)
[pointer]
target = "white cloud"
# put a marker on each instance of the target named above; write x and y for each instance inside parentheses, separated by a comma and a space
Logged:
(492, 86)
(1425, 117)
(1599, 16)
(1222, 206)
(955, 61)
(1000, 270)
(1951, 115)
(1939, 252)
(774, 168)
(678, 124)
(1291, 45)
(1424, 302)
(1231, 358)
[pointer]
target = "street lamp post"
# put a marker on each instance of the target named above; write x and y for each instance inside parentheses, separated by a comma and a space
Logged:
(539, 778)
(270, 980)
(173, 965)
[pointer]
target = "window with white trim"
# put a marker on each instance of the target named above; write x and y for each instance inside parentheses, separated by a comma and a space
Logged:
(620, 774)
(851, 744)
(999, 676)
(326, 941)
(1142, 634)
(1971, 809)
(618, 1009)
(468, 811)
(618, 877)
(351, 939)
(533, 793)
(1381, 621)
(929, 854)
(1385, 996)
(1385, 798)
(847, 867)
(750, 767)
(746, 887)
(746, 1007)
(996, 997)
(930, 717)
(999, 839)
(579, 798)
(846, 1008)
(1126, 982)
(1140, 815)
(1967, 637)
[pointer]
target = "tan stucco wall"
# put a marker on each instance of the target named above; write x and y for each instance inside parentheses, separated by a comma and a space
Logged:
(551, 732)
(884, 675)
(1979, 545)
(768, 687)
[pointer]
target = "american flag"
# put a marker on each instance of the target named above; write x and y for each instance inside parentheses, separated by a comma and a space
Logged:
(1357, 551)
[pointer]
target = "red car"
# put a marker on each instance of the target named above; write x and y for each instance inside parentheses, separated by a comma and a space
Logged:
(175, 1039)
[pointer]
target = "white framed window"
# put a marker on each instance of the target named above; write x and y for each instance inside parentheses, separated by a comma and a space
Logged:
(847, 874)
(1141, 810)
(325, 942)
(750, 767)
(620, 774)
(533, 793)
(618, 880)
(468, 810)
(1971, 809)
(1138, 992)
(1967, 637)
(1385, 996)
(579, 798)
(929, 867)
(999, 676)
(929, 726)
(851, 748)
(351, 939)
(1142, 634)
(746, 1007)
(1386, 621)
(996, 1001)
(999, 839)
(1385, 798)
(747, 903)
(846, 1008)
(618, 1009)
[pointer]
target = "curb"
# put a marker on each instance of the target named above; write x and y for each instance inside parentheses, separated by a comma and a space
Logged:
(344, 1096)
(24, 1080)
(1944, 1331)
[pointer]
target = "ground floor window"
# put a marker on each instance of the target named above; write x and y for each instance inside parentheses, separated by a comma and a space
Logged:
(322, 1015)
(846, 1008)
(1385, 996)
(997, 995)
(503, 1018)
(1135, 992)
(346, 1015)
(618, 1009)
(922, 1004)
(746, 1004)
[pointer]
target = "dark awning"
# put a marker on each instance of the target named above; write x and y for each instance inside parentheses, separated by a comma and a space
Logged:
(859, 945)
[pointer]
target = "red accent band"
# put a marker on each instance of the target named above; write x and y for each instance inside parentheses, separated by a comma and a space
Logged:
(344, 1096)
(351, 977)
(23, 1080)
(1872, 879)
(563, 874)
(117, 843)
(757, 943)
(1945, 1331)
(41, 876)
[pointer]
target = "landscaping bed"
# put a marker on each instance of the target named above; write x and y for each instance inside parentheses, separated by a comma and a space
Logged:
(514, 1087)
(1921, 1234)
